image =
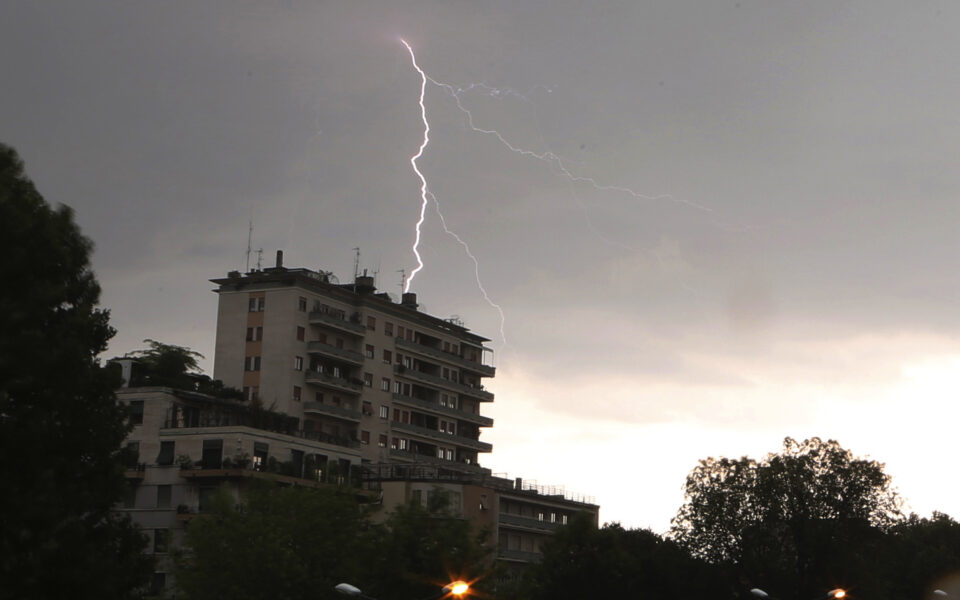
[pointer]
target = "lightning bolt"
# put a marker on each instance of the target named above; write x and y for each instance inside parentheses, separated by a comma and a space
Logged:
(416, 169)
(426, 196)
(548, 157)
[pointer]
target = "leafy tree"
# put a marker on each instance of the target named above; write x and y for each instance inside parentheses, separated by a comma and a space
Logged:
(923, 555)
(421, 549)
(582, 561)
(283, 542)
(175, 366)
(798, 522)
(60, 424)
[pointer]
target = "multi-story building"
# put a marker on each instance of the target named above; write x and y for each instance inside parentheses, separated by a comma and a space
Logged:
(350, 363)
(342, 386)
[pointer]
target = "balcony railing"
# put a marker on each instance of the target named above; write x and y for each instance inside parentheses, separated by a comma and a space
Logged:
(476, 367)
(445, 410)
(333, 411)
(454, 440)
(319, 318)
(337, 383)
(528, 522)
(339, 353)
(466, 390)
(519, 555)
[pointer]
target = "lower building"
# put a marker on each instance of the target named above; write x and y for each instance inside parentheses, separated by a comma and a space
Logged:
(518, 515)
(185, 445)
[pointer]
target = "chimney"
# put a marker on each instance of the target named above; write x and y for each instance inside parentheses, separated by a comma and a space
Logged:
(409, 299)
(518, 484)
(363, 284)
(279, 259)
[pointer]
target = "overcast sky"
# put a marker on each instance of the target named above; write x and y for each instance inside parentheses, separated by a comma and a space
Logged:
(750, 230)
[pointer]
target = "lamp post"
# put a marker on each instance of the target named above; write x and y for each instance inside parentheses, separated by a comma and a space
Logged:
(455, 588)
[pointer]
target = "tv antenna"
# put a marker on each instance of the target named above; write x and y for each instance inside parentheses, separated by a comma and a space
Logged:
(403, 279)
(259, 257)
(249, 239)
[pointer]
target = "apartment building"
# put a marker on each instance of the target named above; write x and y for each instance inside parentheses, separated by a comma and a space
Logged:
(351, 364)
(343, 387)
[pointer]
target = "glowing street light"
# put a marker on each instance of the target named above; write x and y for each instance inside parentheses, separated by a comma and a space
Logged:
(457, 588)
(837, 594)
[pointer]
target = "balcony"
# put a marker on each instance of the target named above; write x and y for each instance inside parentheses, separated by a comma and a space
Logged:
(319, 318)
(349, 356)
(475, 367)
(439, 436)
(335, 383)
(465, 390)
(330, 410)
(443, 410)
(528, 523)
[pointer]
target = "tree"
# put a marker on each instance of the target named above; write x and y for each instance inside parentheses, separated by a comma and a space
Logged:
(582, 561)
(420, 549)
(175, 366)
(923, 555)
(799, 522)
(282, 542)
(60, 424)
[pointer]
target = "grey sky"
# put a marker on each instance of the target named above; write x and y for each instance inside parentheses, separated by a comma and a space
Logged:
(821, 137)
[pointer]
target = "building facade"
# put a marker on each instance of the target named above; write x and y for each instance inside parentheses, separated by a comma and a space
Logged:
(351, 364)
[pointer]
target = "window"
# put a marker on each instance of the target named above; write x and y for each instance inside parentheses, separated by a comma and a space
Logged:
(540, 516)
(440, 453)
(397, 386)
(396, 414)
(451, 428)
(382, 440)
(449, 454)
(252, 307)
(319, 397)
(251, 393)
(260, 451)
(339, 344)
(553, 517)
(212, 454)
(388, 328)
(372, 323)
(297, 392)
(368, 409)
(165, 457)
(135, 412)
(301, 334)
(251, 363)
(322, 338)
(161, 541)
(393, 443)
(399, 331)
(443, 399)
(254, 334)
(302, 304)
(298, 363)
(452, 401)
(446, 373)
(369, 350)
(364, 437)
(164, 495)
(257, 304)
(387, 357)
(563, 519)
(405, 416)
(368, 379)
(384, 412)
(385, 384)
(335, 371)
(446, 346)
(404, 444)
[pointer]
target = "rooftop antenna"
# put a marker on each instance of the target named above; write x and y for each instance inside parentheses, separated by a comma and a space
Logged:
(249, 239)
(403, 279)
(356, 268)
(259, 257)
